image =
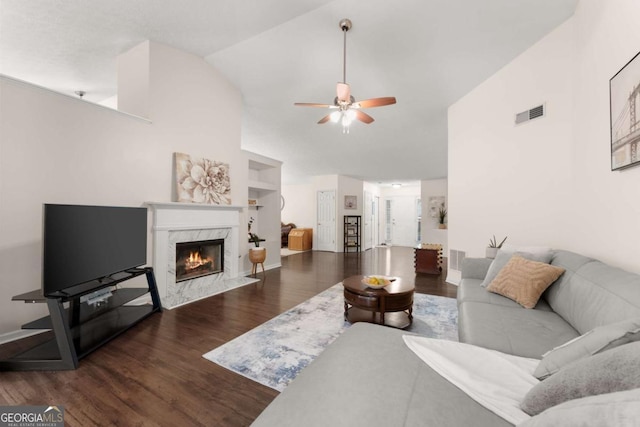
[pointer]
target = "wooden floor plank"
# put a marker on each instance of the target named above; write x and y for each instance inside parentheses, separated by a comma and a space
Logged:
(154, 374)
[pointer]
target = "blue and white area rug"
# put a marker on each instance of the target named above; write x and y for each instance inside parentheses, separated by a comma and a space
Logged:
(274, 352)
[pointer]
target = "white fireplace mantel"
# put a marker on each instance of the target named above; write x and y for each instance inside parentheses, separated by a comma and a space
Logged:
(183, 215)
(178, 222)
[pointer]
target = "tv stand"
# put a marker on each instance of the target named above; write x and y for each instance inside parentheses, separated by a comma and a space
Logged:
(81, 328)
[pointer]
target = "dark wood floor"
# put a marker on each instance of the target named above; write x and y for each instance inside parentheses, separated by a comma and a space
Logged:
(154, 374)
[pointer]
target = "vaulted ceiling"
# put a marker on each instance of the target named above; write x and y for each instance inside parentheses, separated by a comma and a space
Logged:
(426, 53)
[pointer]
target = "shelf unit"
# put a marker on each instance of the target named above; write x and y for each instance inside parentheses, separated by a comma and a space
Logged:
(352, 232)
(264, 187)
(80, 328)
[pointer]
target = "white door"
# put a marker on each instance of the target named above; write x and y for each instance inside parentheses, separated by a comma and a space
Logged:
(402, 220)
(326, 232)
(367, 219)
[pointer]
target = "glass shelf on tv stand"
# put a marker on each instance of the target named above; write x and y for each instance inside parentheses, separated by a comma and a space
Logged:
(81, 328)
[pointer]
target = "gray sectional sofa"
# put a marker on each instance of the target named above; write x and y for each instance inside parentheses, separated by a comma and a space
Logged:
(588, 294)
(369, 377)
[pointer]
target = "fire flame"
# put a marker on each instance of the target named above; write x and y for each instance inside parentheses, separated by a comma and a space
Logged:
(194, 257)
(195, 260)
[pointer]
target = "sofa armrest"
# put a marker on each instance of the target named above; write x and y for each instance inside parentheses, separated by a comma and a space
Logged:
(475, 268)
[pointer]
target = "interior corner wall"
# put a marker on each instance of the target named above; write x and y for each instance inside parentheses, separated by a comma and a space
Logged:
(133, 80)
(60, 149)
(548, 181)
(299, 205)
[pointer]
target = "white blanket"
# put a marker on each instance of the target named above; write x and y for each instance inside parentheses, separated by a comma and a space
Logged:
(496, 380)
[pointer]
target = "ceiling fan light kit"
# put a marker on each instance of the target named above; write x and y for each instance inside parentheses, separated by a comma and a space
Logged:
(347, 108)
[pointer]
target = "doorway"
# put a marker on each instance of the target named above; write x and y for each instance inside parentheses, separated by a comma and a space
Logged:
(367, 219)
(401, 221)
(326, 216)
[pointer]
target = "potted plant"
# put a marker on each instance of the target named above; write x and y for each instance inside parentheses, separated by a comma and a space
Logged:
(257, 254)
(493, 247)
(442, 215)
(250, 223)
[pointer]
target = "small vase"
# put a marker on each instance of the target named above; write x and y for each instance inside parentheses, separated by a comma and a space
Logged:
(491, 253)
(442, 226)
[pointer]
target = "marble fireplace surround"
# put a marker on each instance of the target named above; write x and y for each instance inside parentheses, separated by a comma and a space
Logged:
(186, 222)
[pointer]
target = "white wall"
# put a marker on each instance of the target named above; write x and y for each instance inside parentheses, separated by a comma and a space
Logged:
(300, 205)
(133, 80)
(548, 182)
(59, 149)
(605, 210)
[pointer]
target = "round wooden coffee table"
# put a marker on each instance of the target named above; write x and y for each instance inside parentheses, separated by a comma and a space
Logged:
(390, 306)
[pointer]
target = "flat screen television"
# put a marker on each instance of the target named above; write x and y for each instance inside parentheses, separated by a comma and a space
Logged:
(85, 244)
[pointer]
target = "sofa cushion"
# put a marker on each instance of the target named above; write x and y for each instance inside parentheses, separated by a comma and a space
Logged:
(614, 370)
(513, 330)
(611, 409)
(504, 256)
(470, 290)
(595, 341)
(475, 268)
(524, 280)
(368, 376)
(591, 294)
(541, 251)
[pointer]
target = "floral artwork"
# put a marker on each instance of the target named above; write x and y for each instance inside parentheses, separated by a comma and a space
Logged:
(202, 180)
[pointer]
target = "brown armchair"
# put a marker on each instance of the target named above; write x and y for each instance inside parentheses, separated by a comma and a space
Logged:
(284, 233)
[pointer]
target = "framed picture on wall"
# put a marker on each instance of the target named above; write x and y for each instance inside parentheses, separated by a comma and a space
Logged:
(624, 99)
(435, 204)
(350, 202)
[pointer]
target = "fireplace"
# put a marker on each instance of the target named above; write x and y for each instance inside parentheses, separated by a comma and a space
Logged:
(174, 223)
(197, 259)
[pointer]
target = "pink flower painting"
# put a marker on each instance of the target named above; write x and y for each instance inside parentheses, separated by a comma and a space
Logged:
(202, 180)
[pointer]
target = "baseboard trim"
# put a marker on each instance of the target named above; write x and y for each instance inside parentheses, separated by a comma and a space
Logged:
(247, 273)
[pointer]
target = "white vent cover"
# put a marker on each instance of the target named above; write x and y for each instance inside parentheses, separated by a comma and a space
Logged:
(455, 259)
(531, 114)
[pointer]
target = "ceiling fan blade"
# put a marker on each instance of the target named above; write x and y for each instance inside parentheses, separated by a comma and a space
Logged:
(325, 119)
(311, 104)
(375, 102)
(363, 117)
(343, 90)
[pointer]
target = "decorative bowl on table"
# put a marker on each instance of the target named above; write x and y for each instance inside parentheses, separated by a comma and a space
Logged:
(376, 282)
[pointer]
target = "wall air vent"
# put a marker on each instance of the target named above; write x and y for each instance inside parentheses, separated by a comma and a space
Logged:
(455, 259)
(531, 114)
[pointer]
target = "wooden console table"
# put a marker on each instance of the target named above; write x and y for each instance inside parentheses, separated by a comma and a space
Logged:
(428, 259)
(300, 239)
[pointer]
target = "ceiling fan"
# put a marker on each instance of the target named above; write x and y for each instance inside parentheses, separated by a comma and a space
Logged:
(348, 109)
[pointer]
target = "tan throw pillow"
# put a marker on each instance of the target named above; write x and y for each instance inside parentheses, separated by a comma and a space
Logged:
(524, 281)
